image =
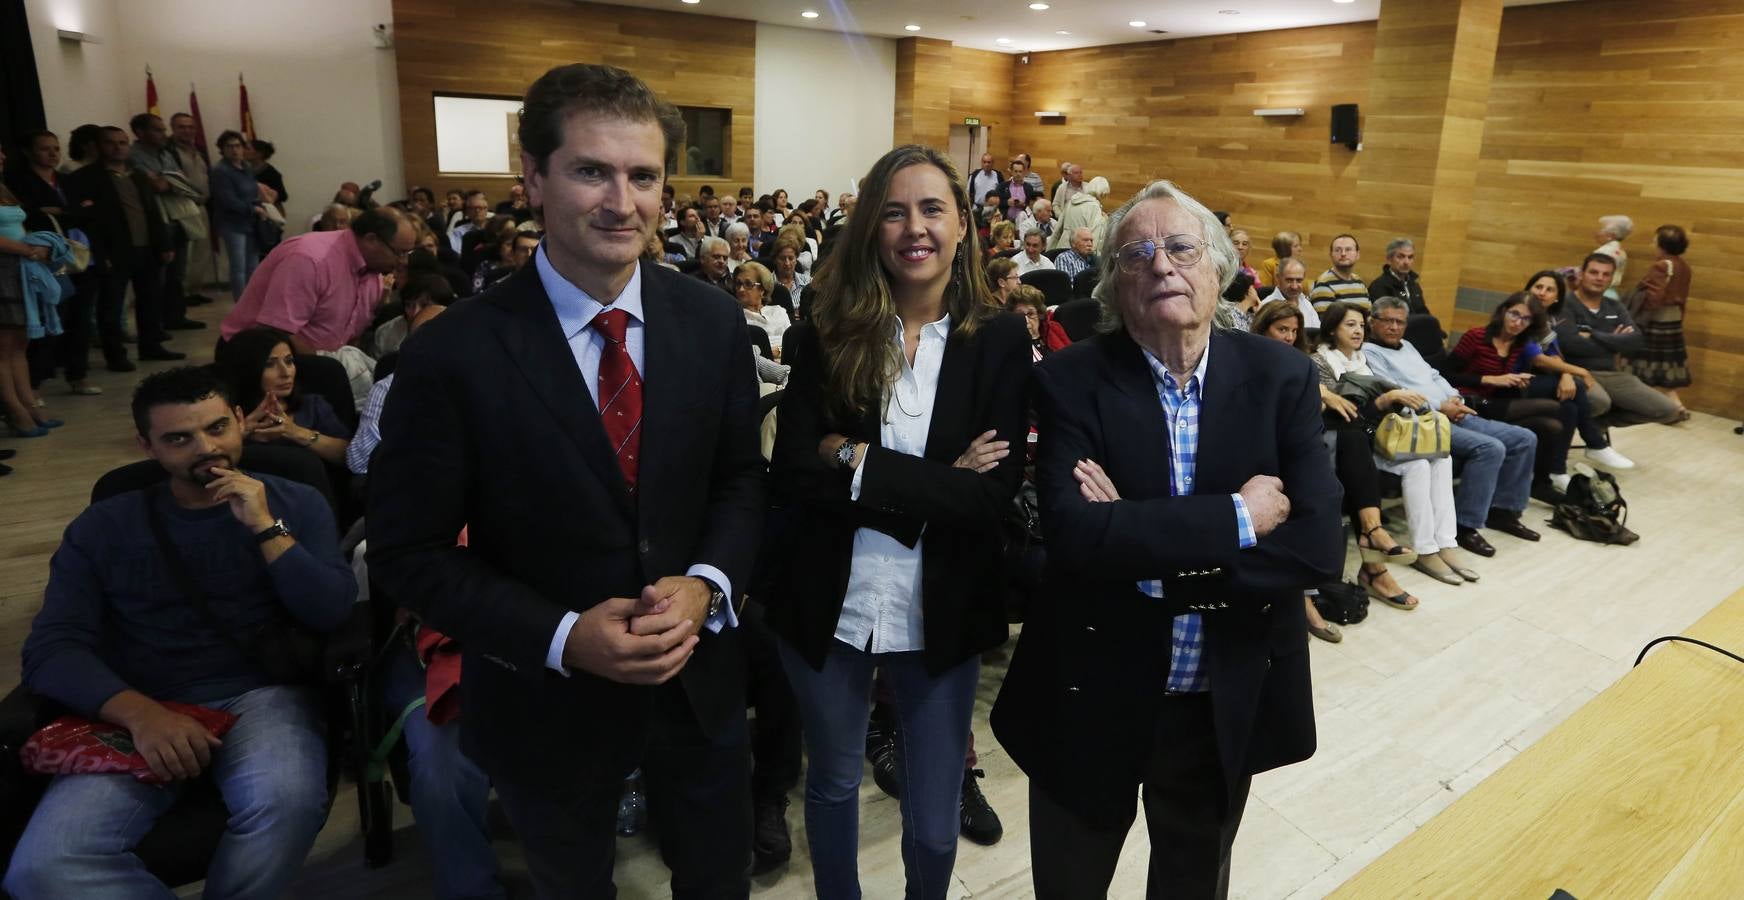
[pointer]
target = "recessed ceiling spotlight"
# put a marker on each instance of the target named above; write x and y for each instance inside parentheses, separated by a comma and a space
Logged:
(1038, 7)
(1344, 1)
(1062, 32)
(1002, 41)
(692, 2)
(1229, 12)
(911, 28)
(809, 14)
(1137, 23)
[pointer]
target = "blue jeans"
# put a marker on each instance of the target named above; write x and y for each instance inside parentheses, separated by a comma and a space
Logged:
(933, 734)
(1498, 461)
(241, 255)
(449, 791)
(272, 772)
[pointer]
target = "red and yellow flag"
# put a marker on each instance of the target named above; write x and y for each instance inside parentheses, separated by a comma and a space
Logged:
(151, 94)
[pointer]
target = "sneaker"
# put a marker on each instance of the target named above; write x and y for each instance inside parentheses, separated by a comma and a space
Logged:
(1560, 482)
(771, 845)
(980, 823)
(632, 806)
(1609, 458)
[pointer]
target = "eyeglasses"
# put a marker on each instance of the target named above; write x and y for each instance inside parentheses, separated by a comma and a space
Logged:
(1378, 321)
(1183, 249)
(1516, 316)
(747, 285)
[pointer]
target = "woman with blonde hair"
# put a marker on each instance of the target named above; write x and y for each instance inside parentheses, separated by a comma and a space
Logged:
(1000, 238)
(893, 460)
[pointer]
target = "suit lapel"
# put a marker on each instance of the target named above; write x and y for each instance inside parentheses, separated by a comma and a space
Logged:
(1220, 431)
(535, 342)
(953, 400)
(1134, 402)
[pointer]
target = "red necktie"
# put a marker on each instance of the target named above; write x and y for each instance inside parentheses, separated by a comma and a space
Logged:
(620, 393)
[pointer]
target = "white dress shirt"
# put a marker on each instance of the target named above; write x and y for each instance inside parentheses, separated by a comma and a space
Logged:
(1310, 318)
(1025, 265)
(882, 611)
(773, 320)
(575, 314)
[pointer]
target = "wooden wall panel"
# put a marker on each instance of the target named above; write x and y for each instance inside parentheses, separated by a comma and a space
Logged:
(454, 47)
(923, 92)
(1641, 119)
(981, 86)
(1183, 110)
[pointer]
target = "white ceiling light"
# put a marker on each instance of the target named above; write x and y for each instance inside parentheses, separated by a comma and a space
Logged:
(1062, 32)
(1229, 12)
(693, 2)
(911, 28)
(1137, 23)
(1038, 7)
(809, 14)
(1002, 41)
(1344, 1)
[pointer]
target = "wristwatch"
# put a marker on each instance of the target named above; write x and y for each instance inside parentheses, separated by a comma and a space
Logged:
(845, 454)
(717, 597)
(276, 529)
(314, 437)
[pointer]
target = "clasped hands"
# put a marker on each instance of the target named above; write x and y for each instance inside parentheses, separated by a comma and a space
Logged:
(641, 640)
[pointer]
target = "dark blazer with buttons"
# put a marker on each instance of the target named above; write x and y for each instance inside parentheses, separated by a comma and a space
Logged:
(92, 189)
(981, 386)
(489, 425)
(1079, 705)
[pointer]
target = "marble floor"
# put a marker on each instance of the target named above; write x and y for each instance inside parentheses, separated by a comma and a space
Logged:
(1413, 708)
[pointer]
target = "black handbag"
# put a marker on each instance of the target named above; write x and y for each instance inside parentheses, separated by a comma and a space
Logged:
(284, 650)
(1342, 602)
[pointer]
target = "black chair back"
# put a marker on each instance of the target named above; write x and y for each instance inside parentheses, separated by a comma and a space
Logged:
(325, 376)
(290, 463)
(1084, 283)
(760, 340)
(1424, 332)
(1007, 254)
(1054, 254)
(1053, 283)
(690, 266)
(1079, 318)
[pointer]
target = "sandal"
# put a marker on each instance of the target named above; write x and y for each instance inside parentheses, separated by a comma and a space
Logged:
(1402, 601)
(1398, 556)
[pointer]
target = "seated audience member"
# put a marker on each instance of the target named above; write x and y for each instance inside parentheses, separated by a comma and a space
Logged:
(1235, 310)
(738, 246)
(716, 266)
(1285, 244)
(432, 255)
(424, 208)
(1045, 335)
(1041, 213)
(760, 225)
(262, 370)
(453, 212)
(322, 289)
(1018, 213)
(477, 213)
(494, 261)
(753, 283)
(730, 211)
(844, 207)
(516, 206)
(1546, 290)
(1080, 256)
(420, 291)
(1497, 458)
(690, 233)
(1002, 279)
(787, 274)
(485, 244)
(1493, 363)
(1082, 210)
(1340, 284)
(334, 217)
(991, 211)
(362, 446)
(116, 638)
(1243, 243)
(1031, 259)
(1594, 330)
(795, 233)
(1001, 240)
(1429, 483)
(1292, 288)
(1399, 279)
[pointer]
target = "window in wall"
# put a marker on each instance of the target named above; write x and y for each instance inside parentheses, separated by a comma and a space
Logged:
(477, 135)
(707, 141)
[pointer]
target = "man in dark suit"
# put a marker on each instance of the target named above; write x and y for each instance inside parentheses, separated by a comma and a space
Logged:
(1187, 501)
(130, 244)
(609, 518)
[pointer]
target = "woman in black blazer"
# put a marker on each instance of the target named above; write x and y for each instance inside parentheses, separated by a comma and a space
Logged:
(893, 457)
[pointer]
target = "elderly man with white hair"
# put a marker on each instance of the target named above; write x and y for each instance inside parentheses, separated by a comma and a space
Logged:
(717, 267)
(1080, 255)
(1187, 502)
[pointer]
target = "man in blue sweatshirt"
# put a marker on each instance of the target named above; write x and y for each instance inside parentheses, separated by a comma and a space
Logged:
(116, 638)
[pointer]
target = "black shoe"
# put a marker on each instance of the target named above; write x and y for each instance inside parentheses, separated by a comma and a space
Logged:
(121, 365)
(159, 353)
(186, 325)
(770, 843)
(5, 469)
(197, 299)
(8, 453)
(882, 752)
(980, 823)
(1509, 523)
(1474, 542)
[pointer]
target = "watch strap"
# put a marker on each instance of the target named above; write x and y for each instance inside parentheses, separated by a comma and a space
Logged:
(276, 529)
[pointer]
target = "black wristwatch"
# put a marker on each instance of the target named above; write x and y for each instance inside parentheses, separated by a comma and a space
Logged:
(276, 529)
(717, 597)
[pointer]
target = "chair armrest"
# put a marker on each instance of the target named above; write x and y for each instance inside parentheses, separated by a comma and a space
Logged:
(348, 649)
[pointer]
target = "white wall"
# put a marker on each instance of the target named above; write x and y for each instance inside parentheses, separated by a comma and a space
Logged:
(319, 88)
(826, 108)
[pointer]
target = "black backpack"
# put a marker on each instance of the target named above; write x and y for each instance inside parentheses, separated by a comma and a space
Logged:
(1342, 602)
(1593, 508)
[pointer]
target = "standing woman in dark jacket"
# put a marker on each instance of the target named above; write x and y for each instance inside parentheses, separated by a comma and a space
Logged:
(235, 207)
(907, 389)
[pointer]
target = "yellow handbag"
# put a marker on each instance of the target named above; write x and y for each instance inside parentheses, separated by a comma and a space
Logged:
(1409, 434)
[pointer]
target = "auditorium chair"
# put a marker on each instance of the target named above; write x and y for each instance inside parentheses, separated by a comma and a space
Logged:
(1054, 284)
(1079, 318)
(1084, 283)
(1054, 254)
(179, 848)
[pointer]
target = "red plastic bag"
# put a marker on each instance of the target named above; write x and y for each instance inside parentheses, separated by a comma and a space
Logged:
(74, 745)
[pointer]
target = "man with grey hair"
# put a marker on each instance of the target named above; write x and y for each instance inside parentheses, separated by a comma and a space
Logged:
(1080, 255)
(986, 180)
(1292, 287)
(1072, 185)
(1398, 277)
(1042, 213)
(1031, 259)
(716, 257)
(1497, 457)
(1187, 502)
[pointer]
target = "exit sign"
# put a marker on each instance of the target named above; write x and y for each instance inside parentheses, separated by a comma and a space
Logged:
(971, 120)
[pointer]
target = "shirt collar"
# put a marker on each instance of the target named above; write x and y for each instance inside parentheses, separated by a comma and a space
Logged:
(1162, 376)
(940, 329)
(576, 308)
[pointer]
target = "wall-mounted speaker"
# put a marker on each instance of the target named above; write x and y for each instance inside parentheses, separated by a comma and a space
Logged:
(1345, 124)
(1344, 129)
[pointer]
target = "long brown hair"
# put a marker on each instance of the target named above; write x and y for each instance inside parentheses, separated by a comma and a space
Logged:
(853, 308)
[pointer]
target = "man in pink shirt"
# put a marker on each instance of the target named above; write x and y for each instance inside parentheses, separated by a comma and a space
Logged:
(322, 288)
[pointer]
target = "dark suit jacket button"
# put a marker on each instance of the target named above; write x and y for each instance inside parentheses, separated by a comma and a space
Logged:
(1266, 609)
(1072, 689)
(643, 546)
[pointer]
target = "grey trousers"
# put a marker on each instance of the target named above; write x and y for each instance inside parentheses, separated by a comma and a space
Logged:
(1630, 396)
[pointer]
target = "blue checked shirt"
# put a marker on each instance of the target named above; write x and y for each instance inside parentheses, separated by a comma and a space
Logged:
(1181, 408)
